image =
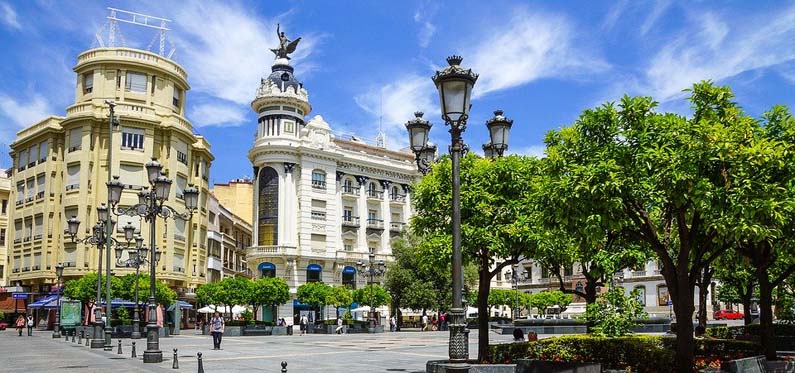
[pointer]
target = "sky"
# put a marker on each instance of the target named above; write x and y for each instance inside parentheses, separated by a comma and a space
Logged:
(367, 64)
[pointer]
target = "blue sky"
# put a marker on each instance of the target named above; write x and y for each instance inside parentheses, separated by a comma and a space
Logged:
(541, 62)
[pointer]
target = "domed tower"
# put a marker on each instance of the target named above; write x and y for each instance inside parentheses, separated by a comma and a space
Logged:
(281, 104)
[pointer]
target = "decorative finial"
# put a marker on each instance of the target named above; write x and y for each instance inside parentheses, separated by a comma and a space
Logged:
(418, 114)
(497, 112)
(286, 46)
(454, 60)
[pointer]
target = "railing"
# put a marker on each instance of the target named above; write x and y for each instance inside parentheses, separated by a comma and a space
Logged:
(317, 184)
(318, 215)
(78, 108)
(179, 269)
(350, 221)
(355, 256)
(72, 186)
(39, 195)
(36, 268)
(132, 54)
(179, 237)
(397, 197)
(350, 190)
(375, 223)
(271, 250)
(638, 273)
(396, 226)
(543, 280)
(15, 270)
(375, 194)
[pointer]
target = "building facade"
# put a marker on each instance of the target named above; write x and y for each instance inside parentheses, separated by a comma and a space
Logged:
(5, 208)
(61, 165)
(227, 239)
(237, 196)
(320, 203)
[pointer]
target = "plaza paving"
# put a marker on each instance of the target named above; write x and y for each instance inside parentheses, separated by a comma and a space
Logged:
(388, 352)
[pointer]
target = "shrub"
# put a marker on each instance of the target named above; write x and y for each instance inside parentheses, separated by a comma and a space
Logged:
(614, 314)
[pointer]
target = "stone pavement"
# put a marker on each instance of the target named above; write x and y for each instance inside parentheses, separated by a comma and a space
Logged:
(387, 352)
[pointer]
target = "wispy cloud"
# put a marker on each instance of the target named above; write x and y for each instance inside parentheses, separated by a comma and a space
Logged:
(711, 48)
(538, 151)
(24, 111)
(615, 12)
(656, 12)
(9, 16)
(217, 114)
(427, 29)
(539, 45)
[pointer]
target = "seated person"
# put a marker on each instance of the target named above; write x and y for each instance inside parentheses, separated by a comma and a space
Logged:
(518, 335)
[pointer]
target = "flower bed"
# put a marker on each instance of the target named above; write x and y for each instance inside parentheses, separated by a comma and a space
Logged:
(639, 353)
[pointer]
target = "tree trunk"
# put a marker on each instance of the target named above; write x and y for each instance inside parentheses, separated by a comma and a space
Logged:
(682, 296)
(766, 333)
(590, 298)
(746, 299)
(483, 307)
(703, 292)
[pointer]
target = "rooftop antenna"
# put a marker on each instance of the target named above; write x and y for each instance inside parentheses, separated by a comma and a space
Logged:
(380, 140)
(125, 16)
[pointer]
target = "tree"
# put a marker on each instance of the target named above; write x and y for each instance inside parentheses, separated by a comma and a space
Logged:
(498, 225)
(126, 289)
(656, 178)
(339, 296)
(371, 296)
(614, 314)
(208, 293)
(546, 299)
(233, 291)
(313, 294)
(269, 291)
(84, 289)
(737, 282)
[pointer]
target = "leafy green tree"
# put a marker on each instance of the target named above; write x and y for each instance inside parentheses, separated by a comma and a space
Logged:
(269, 291)
(84, 289)
(371, 296)
(737, 282)
(658, 179)
(125, 289)
(208, 293)
(314, 294)
(498, 222)
(546, 299)
(231, 291)
(339, 296)
(614, 314)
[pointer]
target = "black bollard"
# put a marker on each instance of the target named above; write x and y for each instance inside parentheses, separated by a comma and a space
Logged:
(201, 366)
(119, 352)
(66, 335)
(133, 350)
(175, 365)
(80, 338)
(88, 341)
(284, 367)
(73, 336)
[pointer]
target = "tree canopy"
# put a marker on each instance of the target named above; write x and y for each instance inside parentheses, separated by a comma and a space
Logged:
(371, 296)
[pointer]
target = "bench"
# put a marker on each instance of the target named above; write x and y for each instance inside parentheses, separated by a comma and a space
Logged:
(754, 364)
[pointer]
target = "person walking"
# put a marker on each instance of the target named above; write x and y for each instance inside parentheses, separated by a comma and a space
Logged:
(20, 323)
(392, 323)
(217, 329)
(30, 325)
(424, 322)
(304, 324)
(339, 326)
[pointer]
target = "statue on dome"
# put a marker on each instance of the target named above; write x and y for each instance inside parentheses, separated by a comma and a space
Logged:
(286, 46)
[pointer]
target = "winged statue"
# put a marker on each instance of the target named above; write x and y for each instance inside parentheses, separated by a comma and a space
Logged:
(286, 46)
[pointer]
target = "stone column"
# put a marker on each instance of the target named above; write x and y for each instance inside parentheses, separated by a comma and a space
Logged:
(386, 216)
(362, 238)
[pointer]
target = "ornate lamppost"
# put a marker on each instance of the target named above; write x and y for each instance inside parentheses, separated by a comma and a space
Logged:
(56, 330)
(516, 277)
(372, 269)
(454, 84)
(136, 258)
(101, 240)
(150, 206)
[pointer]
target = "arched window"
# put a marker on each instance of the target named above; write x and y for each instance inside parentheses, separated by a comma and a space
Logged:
(349, 277)
(314, 273)
(347, 186)
(372, 190)
(268, 225)
(395, 192)
(267, 269)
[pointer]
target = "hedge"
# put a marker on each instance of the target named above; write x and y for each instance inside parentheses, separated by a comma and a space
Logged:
(650, 354)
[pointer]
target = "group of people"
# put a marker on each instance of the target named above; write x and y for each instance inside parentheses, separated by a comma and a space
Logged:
(22, 322)
(435, 323)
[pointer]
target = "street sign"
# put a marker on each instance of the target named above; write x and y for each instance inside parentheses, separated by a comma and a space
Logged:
(19, 296)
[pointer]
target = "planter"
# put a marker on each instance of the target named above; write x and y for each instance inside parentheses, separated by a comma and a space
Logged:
(377, 329)
(541, 366)
(442, 366)
(233, 331)
(257, 330)
(279, 330)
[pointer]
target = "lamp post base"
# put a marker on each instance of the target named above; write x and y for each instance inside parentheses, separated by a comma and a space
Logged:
(98, 341)
(135, 335)
(56, 331)
(153, 356)
(459, 337)
(108, 344)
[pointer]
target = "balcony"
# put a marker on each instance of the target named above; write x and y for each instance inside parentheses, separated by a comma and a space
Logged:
(350, 191)
(39, 195)
(318, 215)
(15, 270)
(397, 198)
(638, 273)
(318, 185)
(350, 221)
(179, 269)
(396, 227)
(375, 224)
(354, 256)
(262, 252)
(375, 194)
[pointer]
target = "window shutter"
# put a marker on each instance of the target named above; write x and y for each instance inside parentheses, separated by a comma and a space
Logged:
(75, 138)
(73, 173)
(43, 151)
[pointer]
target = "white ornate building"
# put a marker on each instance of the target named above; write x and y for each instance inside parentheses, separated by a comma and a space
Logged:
(321, 203)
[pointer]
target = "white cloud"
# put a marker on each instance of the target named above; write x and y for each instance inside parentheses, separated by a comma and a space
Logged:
(427, 29)
(217, 114)
(656, 12)
(24, 112)
(614, 14)
(225, 47)
(532, 150)
(538, 45)
(399, 100)
(710, 48)
(9, 16)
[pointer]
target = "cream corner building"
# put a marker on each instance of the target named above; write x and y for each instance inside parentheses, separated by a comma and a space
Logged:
(5, 197)
(321, 203)
(61, 166)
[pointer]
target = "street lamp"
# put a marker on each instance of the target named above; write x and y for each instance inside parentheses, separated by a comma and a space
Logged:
(516, 277)
(56, 330)
(136, 258)
(150, 206)
(100, 238)
(372, 269)
(454, 84)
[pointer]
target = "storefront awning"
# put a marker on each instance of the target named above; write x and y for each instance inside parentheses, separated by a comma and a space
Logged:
(182, 305)
(41, 303)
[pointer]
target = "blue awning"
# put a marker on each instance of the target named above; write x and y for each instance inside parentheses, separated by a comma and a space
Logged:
(121, 303)
(349, 270)
(266, 265)
(43, 302)
(314, 268)
(182, 305)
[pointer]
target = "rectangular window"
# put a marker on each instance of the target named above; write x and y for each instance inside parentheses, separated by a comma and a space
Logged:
(135, 82)
(2, 236)
(289, 126)
(182, 157)
(40, 186)
(176, 99)
(179, 262)
(318, 215)
(154, 81)
(43, 148)
(182, 183)
(347, 247)
(22, 161)
(18, 231)
(20, 193)
(182, 152)
(38, 226)
(131, 174)
(4, 207)
(68, 214)
(73, 176)
(118, 79)
(132, 138)
(179, 229)
(318, 179)
(31, 189)
(88, 82)
(75, 138)
(318, 242)
(372, 215)
(32, 153)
